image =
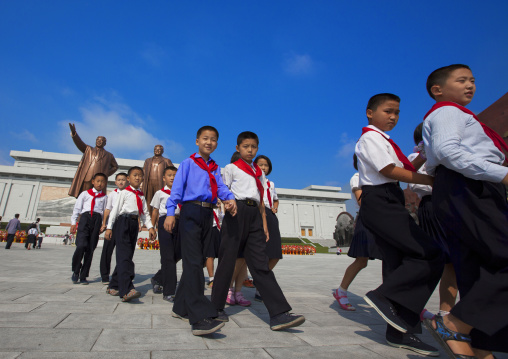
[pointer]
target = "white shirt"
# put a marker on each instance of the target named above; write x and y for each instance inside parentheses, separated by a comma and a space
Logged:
(241, 184)
(273, 194)
(84, 204)
(32, 231)
(220, 216)
(112, 197)
(354, 182)
(420, 189)
(457, 141)
(375, 153)
(159, 201)
(127, 204)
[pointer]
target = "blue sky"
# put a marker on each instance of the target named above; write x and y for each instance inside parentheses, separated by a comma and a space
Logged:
(298, 73)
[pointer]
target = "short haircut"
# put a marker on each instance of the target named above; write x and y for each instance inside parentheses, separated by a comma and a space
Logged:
(247, 135)
(236, 156)
(16, 215)
(377, 100)
(355, 161)
(418, 134)
(120, 174)
(207, 128)
(263, 157)
(169, 168)
(439, 76)
(100, 174)
(133, 169)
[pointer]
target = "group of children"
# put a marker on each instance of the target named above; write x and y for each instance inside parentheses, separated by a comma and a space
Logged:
(462, 236)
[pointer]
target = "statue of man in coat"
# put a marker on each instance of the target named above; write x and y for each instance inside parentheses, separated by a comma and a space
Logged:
(154, 170)
(95, 160)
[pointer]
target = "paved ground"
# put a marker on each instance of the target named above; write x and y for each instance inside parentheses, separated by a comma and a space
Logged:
(44, 315)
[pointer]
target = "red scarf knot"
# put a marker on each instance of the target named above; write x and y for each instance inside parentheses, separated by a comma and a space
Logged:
(94, 196)
(216, 220)
(139, 202)
(268, 195)
(241, 164)
(212, 166)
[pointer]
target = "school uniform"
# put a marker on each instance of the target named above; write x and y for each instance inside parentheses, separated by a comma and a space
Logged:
(109, 246)
(90, 205)
(31, 237)
(197, 186)
(274, 245)
(169, 244)
(470, 201)
(412, 262)
(363, 243)
(123, 220)
(245, 232)
(211, 250)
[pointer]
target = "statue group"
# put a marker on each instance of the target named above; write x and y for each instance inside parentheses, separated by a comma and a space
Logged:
(98, 160)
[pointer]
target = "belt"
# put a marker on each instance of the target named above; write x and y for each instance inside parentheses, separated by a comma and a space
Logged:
(131, 216)
(202, 204)
(248, 202)
(176, 216)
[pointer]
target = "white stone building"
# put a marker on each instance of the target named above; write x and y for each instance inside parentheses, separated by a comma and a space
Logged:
(38, 182)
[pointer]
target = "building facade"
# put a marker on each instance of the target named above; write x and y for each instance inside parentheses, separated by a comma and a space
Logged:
(38, 182)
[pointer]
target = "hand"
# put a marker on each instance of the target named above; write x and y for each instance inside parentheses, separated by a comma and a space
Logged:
(169, 223)
(140, 227)
(275, 210)
(73, 228)
(108, 234)
(73, 129)
(152, 233)
(230, 206)
(103, 228)
(267, 234)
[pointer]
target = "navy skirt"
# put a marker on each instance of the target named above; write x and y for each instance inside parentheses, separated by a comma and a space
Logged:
(274, 245)
(211, 249)
(363, 243)
(430, 224)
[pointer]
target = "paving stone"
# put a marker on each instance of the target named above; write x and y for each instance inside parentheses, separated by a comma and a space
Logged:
(19, 307)
(324, 352)
(9, 355)
(44, 297)
(81, 355)
(213, 354)
(107, 321)
(338, 335)
(40, 339)
(66, 307)
(251, 338)
(30, 320)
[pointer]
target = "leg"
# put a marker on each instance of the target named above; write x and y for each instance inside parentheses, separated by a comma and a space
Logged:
(10, 239)
(209, 266)
(82, 242)
(272, 262)
(447, 289)
(107, 254)
(168, 259)
(94, 226)
(351, 271)
(241, 276)
(122, 230)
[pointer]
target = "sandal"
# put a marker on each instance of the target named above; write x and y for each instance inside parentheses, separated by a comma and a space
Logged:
(442, 334)
(348, 306)
(112, 292)
(131, 295)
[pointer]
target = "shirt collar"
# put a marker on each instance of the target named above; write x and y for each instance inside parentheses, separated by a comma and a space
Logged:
(95, 191)
(167, 188)
(378, 130)
(209, 158)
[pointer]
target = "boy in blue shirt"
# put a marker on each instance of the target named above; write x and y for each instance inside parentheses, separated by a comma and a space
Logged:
(197, 186)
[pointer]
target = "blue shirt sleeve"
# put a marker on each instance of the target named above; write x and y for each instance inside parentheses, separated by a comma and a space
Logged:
(178, 188)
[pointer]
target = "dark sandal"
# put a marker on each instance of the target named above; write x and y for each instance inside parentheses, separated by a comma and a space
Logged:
(442, 334)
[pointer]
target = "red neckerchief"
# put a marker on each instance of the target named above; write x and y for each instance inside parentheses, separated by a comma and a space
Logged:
(212, 166)
(94, 196)
(268, 195)
(496, 139)
(216, 219)
(139, 202)
(168, 192)
(402, 158)
(241, 164)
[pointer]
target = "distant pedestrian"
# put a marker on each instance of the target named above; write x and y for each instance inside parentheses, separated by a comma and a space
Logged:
(66, 238)
(32, 236)
(39, 240)
(13, 226)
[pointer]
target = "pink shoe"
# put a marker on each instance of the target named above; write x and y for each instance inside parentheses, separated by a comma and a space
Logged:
(231, 298)
(240, 300)
(346, 306)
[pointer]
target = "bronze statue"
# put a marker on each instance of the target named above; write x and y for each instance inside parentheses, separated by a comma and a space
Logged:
(154, 170)
(95, 159)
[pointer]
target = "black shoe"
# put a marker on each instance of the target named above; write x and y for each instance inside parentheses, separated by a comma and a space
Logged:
(75, 278)
(156, 287)
(105, 280)
(412, 342)
(386, 310)
(257, 297)
(83, 281)
(286, 320)
(178, 316)
(222, 316)
(169, 298)
(206, 326)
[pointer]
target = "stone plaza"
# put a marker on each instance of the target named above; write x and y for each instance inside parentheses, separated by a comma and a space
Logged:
(43, 315)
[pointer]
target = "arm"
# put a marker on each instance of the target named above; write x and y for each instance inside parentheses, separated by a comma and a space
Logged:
(113, 166)
(177, 190)
(263, 216)
(77, 140)
(115, 212)
(78, 206)
(358, 194)
(155, 216)
(156, 202)
(223, 191)
(418, 162)
(403, 175)
(275, 208)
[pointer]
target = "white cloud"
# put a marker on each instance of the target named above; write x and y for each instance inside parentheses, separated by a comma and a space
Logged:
(297, 65)
(25, 135)
(123, 129)
(347, 146)
(154, 54)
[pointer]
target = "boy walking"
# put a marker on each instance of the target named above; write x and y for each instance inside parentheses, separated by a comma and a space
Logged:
(197, 186)
(248, 231)
(123, 226)
(470, 201)
(90, 205)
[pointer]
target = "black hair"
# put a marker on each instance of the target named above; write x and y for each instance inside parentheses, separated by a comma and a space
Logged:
(38, 220)
(439, 76)
(33, 225)
(120, 174)
(247, 135)
(100, 174)
(263, 157)
(207, 128)
(418, 134)
(355, 161)
(16, 215)
(169, 168)
(236, 156)
(133, 169)
(377, 100)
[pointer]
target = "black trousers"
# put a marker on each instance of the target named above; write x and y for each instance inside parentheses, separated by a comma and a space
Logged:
(170, 251)
(195, 227)
(474, 216)
(10, 239)
(125, 232)
(107, 254)
(412, 261)
(86, 242)
(245, 232)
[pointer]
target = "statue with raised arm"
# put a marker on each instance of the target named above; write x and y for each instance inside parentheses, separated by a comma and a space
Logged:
(95, 159)
(154, 170)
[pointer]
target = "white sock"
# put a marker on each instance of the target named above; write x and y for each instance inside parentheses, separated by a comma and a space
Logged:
(342, 291)
(443, 313)
(210, 279)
